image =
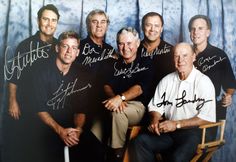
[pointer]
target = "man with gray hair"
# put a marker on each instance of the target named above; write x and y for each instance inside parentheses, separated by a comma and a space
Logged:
(126, 90)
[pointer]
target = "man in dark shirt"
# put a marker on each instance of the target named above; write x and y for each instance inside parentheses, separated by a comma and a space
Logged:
(213, 62)
(18, 72)
(156, 53)
(126, 90)
(97, 57)
(60, 94)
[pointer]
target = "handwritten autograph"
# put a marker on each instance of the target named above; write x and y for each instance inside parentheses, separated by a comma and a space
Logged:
(22, 60)
(210, 62)
(60, 95)
(90, 59)
(156, 51)
(128, 72)
(182, 101)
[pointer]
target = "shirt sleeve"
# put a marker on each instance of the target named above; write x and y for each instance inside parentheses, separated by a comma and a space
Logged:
(207, 111)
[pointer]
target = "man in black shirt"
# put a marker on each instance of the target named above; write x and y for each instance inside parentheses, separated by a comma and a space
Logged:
(19, 70)
(60, 99)
(126, 90)
(155, 52)
(213, 62)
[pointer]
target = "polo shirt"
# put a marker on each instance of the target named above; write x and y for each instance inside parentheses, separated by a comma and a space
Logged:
(126, 75)
(61, 95)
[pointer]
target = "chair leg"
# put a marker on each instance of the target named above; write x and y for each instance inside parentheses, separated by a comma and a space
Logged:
(133, 133)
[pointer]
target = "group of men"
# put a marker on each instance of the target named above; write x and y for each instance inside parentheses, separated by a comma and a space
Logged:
(85, 95)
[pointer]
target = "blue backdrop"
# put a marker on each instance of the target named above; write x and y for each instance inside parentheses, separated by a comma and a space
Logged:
(19, 21)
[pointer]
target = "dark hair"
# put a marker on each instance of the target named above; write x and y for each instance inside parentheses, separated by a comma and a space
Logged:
(95, 12)
(48, 7)
(68, 34)
(150, 14)
(206, 18)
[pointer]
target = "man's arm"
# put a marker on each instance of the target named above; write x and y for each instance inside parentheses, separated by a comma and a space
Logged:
(171, 125)
(13, 109)
(64, 133)
(79, 120)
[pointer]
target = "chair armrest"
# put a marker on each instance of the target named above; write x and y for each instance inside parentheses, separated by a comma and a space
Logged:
(216, 142)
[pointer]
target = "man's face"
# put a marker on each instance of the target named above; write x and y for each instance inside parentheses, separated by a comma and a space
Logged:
(48, 23)
(98, 26)
(183, 58)
(153, 28)
(128, 45)
(68, 50)
(199, 32)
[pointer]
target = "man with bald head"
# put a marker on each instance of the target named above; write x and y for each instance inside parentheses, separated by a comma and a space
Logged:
(183, 100)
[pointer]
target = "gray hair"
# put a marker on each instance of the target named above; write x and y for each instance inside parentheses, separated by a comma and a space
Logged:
(95, 12)
(127, 30)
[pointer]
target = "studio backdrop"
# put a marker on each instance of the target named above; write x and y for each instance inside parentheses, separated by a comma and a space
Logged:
(18, 20)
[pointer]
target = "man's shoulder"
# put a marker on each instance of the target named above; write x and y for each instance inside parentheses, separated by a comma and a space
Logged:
(164, 43)
(211, 49)
(27, 41)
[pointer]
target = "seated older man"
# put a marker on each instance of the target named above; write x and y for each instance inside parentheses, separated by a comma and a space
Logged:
(183, 100)
(126, 89)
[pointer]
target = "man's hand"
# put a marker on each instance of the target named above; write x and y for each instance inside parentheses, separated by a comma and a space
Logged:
(154, 128)
(226, 100)
(115, 104)
(69, 136)
(167, 126)
(154, 123)
(14, 110)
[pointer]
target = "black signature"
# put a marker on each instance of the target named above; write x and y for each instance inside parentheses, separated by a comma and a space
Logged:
(182, 101)
(60, 95)
(164, 102)
(129, 71)
(22, 60)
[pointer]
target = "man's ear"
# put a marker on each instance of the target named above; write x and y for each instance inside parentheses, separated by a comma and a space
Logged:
(208, 33)
(57, 48)
(77, 53)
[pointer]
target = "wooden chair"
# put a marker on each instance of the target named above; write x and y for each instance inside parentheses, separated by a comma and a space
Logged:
(204, 148)
(208, 148)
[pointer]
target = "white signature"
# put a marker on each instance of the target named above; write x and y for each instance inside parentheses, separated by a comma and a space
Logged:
(90, 59)
(60, 95)
(209, 62)
(156, 51)
(129, 71)
(21, 60)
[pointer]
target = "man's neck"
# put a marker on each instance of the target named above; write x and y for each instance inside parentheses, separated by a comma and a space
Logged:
(98, 41)
(45, 38)
(64, 68)
(199, 48)
(151, 45)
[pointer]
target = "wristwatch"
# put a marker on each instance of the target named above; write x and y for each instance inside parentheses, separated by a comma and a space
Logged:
(122, 97)
(178, 125)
